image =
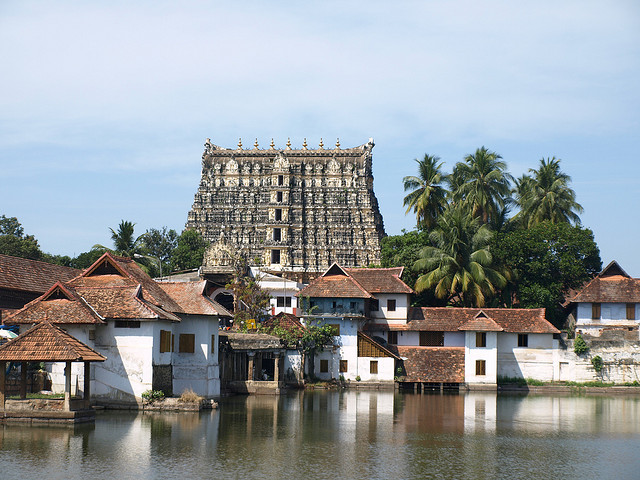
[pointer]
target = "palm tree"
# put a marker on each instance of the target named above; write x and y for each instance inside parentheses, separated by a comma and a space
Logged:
(459, 265)
(546, 195)
(481, 184)
(428, 197)
(124, 241)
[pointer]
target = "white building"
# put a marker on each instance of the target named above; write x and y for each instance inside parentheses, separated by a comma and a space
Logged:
(283, 291)
(156, 336)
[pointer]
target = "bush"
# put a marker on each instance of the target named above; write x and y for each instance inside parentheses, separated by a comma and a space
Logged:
(189, 396)
(358, 378)
(152, 395)
(580, 346)
(597, 363)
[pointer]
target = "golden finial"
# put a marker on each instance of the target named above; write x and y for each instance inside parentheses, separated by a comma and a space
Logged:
(255, 144)
(338, 144)
(288, 143)
(240, 144)
(321, 145)
(272, 145)
(304, 144)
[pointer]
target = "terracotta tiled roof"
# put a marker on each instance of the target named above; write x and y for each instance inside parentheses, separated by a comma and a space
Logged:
(47, 343)
(59, 305)
(481, 323)
(123, 302)
(433, 364)
(334, 283)
(451, 319)
(612, 285)
(380, 280)
(32, 275)
(191, 298)
(288, 321)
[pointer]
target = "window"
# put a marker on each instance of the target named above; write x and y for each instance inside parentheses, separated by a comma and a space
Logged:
(283, 301)
(431, 339)
(187, 342)
(278, 214)
(375, 305)
(344, 366)
(127, 324)
(275, 256)
(523, 340)
(353, 306)
(391, 305)
(595, 311)
(373, 367)
(324, 366)
(279, 197)
(165, 341)
(213, 343)
(631, 311)
(481, 367)
(392, 338)
(277, 234)
(336, 329)
(280, 179)
(481, 339)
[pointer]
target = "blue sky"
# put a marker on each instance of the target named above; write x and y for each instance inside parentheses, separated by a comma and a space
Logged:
(105, 106)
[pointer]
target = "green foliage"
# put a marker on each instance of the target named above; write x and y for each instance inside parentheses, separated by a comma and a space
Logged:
(459, 267)
(251, 301)
(159, 244)
(579, 345)
(316, 337)
(597, 363)
(14, 242)
(428, 196)
(358, 378)
(547, 261)
(152, 395)
(86, 259)
(189, 251)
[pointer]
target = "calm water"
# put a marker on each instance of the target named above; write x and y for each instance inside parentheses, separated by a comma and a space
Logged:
(343, 435)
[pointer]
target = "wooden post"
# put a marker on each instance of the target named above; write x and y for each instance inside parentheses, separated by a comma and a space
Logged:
(3, 370)
(67, 387)
(23, 380)
(87, 385)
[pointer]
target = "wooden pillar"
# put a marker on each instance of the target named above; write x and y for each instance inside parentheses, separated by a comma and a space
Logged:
(87, 385)
(23, 380)
(250, 369)
(3, 370)
(67, 387)
(276, 368)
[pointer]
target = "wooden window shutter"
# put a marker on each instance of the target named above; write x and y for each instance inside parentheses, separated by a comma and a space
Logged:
(187, 343)
(165, 341)
(631, 311)
(373, 367)
(595, 311)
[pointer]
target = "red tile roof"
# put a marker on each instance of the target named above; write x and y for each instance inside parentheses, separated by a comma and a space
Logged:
(192, 299)
(452, 319)
(433, 364)
(287, 321)
(481, 323)
(32, 275)
(612, 285)
(45, 342)
(380, 280)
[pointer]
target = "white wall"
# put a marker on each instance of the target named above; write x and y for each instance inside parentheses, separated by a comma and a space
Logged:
(488, 354)
(386, 367)
(401, 311)
(611, 315)
(538, 360)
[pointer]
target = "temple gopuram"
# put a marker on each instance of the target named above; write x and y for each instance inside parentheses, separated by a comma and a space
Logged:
(291, 211)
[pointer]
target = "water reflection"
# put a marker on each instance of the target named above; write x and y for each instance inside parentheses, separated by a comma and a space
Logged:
(353, 434)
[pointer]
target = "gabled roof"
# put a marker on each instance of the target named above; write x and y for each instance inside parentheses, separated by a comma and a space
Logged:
(27, 275)
(453, 319)
(334, 283)
(192, 299)
(380, 280)
(481, 323)
(287, 321)
(45, 342)
(59, 304)
(612, 285)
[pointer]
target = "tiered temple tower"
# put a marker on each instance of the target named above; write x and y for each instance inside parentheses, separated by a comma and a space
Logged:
(292, 210)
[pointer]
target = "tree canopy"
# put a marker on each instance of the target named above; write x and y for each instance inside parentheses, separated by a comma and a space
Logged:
(428, 196)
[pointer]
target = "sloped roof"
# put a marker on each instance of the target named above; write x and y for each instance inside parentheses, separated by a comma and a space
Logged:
(612, 285)
(452, 319)
(334, 283)
(45, 342)
(250, 341)
(192, 299)
(433, 364)
(381, 351)
(380, 280)
(481, 323)
(32, 275)
(287, 321)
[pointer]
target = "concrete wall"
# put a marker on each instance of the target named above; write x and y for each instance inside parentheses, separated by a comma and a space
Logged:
(386, 366)
(538, 360)
(402, 306)
(474, 353)
(611, 315)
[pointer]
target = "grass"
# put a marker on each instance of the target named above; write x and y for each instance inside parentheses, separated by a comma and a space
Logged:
(38, 395)
(538, 383)
(189, 396)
